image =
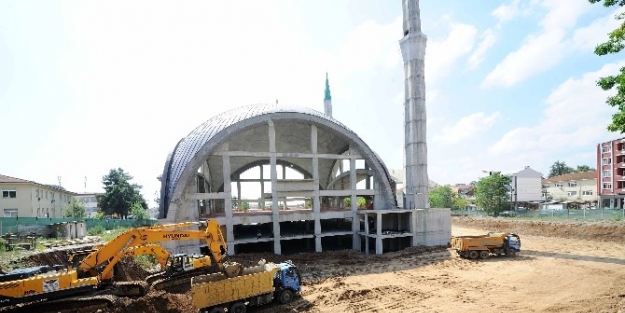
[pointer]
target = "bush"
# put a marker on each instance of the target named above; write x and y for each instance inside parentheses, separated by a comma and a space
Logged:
(96, 230)
(146, 261)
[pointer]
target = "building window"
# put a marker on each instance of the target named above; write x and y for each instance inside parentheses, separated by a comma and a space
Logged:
(545, 186)
(9, 194)
(572, 193)
(607, 174)
(607, 185)
(558, 185)
(607, 161)
(573, 184)
(10, 212)
(605, 149)
(587, 193)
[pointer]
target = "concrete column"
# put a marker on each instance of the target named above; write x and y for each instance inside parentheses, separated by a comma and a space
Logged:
(378, 241)
(413, 228)
(413, 47)
(316, 199)
(261, 204)
(277, 248)
(367, 234)
(228, 201)
(354, 205)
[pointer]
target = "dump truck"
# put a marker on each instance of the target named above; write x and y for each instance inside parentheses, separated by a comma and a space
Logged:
(493, 243)
(258, 285)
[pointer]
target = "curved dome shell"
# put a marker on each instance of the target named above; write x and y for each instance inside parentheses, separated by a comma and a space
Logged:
(182, 163)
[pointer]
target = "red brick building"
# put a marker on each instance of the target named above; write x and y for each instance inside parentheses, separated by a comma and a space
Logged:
(611, 173)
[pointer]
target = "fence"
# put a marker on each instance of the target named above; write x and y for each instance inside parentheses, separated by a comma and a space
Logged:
(10, 224)
(587, 214)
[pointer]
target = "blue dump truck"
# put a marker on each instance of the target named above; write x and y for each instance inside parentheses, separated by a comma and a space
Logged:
(258, 285)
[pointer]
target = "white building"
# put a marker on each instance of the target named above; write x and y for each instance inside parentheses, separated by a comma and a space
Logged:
(91, 203)
(527, 185)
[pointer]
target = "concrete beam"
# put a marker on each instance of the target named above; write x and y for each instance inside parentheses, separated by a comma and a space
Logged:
(294, 155)
(208, 196)
(346, 192)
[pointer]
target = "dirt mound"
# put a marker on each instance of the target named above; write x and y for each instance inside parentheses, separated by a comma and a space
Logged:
(128, 270)
(155, 301)
(613, 231)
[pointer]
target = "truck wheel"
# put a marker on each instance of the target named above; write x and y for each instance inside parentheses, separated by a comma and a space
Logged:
(511, 253)
(285, 296)
(473, 254)
(238, 307)
(217, 310)
(484, 254)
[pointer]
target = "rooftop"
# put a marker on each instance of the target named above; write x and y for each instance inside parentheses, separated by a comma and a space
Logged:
(5, 179)
(572, 177)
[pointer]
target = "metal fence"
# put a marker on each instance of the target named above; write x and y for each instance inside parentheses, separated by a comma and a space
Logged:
(11, 224)
(588, 214)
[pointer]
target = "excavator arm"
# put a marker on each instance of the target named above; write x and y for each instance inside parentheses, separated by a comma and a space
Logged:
(102, 261)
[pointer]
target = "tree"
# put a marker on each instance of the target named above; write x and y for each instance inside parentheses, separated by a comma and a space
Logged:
(559, 168)
(361, 202)
(138, 211)
(615, 43)
(491, 193)
(75, 209)
(119, 194)
(460, 203)
(441, 197)
(584, 168)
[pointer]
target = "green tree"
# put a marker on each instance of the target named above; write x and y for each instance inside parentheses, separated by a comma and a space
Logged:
(138, 211)
(119, 193)
(559, 168)
(615, 43)
(441, 197)
(75, 209)
(584, 168)
(491, 193)
(460, 203)
(361, 202)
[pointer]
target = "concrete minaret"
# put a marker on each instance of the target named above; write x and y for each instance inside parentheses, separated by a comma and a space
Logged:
(327, 100)
(413, 52)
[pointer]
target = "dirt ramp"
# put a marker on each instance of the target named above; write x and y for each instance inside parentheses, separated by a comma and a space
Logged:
(613, 231)
(155, 301)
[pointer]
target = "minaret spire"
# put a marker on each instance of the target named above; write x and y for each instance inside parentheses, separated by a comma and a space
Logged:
(327, 100)
(413, 52)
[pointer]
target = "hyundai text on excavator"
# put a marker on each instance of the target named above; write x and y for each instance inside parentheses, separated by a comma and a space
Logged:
(91, 279)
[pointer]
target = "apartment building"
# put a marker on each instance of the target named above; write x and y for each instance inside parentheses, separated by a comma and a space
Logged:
(611, 173)
(27, 198)
(581, 187)
(91, 203)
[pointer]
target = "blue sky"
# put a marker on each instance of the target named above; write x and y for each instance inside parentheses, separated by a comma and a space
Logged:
(93, 85)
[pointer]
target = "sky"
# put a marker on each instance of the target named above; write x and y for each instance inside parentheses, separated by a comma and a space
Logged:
(88, 86)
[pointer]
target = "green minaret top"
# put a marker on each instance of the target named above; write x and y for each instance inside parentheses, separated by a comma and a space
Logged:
(327, 97)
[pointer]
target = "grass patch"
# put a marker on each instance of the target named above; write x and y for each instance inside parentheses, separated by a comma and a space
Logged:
(111, 234)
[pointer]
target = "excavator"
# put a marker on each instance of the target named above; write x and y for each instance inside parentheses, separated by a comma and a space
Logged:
(90, 279)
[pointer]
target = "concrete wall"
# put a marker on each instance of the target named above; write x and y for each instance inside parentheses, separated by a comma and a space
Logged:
(433, 227)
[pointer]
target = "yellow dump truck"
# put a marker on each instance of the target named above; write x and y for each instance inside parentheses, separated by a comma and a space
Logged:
(473, 247)
(258, 285)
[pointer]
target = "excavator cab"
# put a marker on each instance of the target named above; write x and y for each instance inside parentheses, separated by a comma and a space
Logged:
(179, 263)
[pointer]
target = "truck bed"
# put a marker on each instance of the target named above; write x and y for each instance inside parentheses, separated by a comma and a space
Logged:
(215, 289)
(490, 240)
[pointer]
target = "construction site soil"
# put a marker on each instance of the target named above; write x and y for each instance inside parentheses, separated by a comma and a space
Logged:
(573, 266)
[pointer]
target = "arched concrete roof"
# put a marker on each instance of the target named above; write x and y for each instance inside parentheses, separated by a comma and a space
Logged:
(182, 163)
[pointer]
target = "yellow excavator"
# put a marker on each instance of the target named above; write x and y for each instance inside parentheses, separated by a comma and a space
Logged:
(91, 278)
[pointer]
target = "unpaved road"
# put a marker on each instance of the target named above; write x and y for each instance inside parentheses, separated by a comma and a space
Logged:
(551, 274)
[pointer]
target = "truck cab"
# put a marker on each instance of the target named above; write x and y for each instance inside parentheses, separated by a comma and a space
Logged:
(287, 282)
(513, 241)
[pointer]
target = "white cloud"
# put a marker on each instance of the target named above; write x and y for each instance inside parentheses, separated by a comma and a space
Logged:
(467, 127)
(588, 37)
(542, 51)
(506, 12)
(488, 40)
(575, 116)
(441, 56)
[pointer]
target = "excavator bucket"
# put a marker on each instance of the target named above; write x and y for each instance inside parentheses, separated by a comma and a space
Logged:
(232, 269)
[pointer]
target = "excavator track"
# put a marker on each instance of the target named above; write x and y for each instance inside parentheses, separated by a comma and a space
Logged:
(69, 305)
(89, 302)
